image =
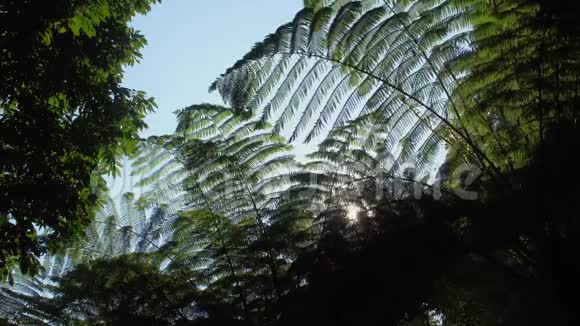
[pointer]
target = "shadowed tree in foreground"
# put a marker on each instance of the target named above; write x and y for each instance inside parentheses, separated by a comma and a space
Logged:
(63, 115)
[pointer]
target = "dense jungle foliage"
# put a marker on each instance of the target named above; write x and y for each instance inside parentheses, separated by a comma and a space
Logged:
(441, 190)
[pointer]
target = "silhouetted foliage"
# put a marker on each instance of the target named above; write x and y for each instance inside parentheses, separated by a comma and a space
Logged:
(126, 290)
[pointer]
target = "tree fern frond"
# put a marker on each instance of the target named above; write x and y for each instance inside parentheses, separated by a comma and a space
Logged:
(357, 60)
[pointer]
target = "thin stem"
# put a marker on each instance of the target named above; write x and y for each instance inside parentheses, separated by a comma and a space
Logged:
(481, 155)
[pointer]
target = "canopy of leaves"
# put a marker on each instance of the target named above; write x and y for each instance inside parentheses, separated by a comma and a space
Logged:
(63, 113)
(263, 239)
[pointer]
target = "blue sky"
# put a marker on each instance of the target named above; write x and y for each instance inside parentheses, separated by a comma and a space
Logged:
(191, 42)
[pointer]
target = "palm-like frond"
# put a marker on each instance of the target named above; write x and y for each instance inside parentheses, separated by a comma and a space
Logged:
(232, 169)
(382, 63)
(215, 158)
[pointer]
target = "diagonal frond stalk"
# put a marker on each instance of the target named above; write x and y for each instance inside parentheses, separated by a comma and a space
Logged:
(465, 136)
